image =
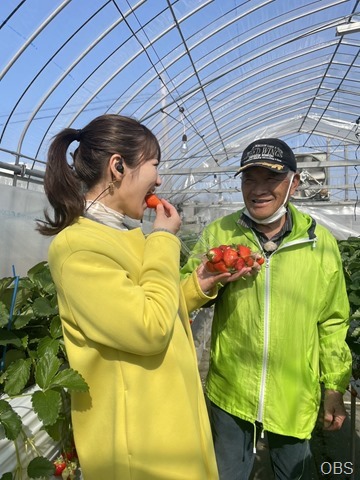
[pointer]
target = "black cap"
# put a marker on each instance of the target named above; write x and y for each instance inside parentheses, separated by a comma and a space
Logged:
(270, 153)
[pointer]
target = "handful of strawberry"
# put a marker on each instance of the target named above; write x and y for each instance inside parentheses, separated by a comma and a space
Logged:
(232, 258)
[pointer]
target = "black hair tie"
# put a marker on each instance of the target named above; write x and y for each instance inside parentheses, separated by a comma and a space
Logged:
(78, 135)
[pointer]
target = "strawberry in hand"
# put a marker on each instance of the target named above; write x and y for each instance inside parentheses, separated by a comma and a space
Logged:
(214, 254)
(152, 201)
(232, 259)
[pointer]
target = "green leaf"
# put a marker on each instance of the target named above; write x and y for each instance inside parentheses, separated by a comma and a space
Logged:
(47, 405)
(42, 307)
(8, 337)
(354, 299)
(7, 476)
(40, 275)
(55, 327)
(47, 344)
(12, 355)
(10, 420)
(40, 467)
(70, 379)
(4, 315)
(21, 321)
(56, 431)
(46, 369)
(5, 283)
(18, 374)
(21, 300)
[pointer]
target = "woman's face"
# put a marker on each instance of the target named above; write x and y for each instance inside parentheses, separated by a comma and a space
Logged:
(134, 186)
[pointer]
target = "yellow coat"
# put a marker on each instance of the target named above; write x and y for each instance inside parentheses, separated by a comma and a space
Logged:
(144, 417)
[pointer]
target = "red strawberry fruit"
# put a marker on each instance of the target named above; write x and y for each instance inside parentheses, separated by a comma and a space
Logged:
(60, 466)
(249, 261)
(210, 267)
(240, 264)
(152, 201)
(215, 254)
(230, 257)
(243, 251)
(220, 267)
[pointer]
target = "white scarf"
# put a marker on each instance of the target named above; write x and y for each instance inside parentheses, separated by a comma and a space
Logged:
(105, 215)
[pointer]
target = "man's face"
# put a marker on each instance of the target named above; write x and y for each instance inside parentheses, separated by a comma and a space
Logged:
(265, 191)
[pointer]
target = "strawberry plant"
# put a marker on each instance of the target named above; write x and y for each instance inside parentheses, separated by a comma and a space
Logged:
(32, 355)
(350, 253)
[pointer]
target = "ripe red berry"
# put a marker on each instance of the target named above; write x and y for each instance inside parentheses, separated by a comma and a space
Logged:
(214, 255)
(152, 201)
(230, 257)
(243, 251)
(60, 466)
(220, 267)
(210, 267)
(249, 261)
(240, 264)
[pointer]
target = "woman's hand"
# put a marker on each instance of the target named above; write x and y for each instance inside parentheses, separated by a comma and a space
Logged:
(208, 280)
(167, 217)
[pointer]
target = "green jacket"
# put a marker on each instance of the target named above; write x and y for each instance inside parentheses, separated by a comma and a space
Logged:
(276, 336)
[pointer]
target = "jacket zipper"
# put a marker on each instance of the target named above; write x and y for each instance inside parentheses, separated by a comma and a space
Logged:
(266, 322)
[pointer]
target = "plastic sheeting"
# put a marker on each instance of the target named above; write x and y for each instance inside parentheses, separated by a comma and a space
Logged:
(44, 444)
(21, 246)
(342, 221)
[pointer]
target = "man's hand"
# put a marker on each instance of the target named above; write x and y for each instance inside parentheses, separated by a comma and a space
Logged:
(334, 410)
(208, 280)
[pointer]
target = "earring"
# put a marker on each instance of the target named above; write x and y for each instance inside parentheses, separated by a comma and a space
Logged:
(111, 188)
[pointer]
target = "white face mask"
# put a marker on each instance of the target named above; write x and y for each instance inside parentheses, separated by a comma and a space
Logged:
(276, 215)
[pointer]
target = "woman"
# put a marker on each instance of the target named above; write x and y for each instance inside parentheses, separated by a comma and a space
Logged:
(123, 311)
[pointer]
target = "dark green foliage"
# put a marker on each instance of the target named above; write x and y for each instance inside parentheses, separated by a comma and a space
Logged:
(350, 253)
(32, 354)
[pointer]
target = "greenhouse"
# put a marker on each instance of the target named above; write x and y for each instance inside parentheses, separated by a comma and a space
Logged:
(207, 77)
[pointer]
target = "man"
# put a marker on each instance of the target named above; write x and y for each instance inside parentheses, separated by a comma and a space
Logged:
(278, 334)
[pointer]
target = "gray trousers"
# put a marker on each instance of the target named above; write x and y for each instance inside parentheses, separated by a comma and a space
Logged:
(291, 458)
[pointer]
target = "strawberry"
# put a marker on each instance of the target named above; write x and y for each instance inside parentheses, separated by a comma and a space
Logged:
(230, 257)
(260, 260)
(70, 454)
(215, 254)
(152, 201)
(60, 466)
(240, 263)
(210, 267)
(220, 267)
(243, 251)
(249, 261)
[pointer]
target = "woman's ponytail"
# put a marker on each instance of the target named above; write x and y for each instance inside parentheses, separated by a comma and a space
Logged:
(62, 186)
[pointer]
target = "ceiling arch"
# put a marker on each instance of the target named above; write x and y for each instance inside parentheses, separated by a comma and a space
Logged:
(224, 72)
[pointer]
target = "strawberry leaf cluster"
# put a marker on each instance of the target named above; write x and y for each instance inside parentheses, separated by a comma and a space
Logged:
(350, 254)
(33, 362)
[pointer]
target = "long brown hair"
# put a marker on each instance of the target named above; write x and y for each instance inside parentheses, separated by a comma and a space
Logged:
(65, 184)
